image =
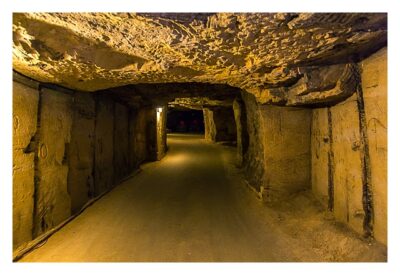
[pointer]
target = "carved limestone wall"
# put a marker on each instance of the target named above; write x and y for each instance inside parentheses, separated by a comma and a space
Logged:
(70, 147)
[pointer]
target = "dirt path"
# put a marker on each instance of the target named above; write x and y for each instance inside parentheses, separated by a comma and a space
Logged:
(191, 206)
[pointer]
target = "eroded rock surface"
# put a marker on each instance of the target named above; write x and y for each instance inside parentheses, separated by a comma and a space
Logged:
(198, 103)
(263, 53)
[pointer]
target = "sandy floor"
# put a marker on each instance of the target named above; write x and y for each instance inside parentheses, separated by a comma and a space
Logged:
(194, 206)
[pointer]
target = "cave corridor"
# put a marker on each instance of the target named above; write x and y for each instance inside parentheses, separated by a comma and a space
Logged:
(199, 137)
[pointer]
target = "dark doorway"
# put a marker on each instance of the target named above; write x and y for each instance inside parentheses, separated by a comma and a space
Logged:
(185, 121)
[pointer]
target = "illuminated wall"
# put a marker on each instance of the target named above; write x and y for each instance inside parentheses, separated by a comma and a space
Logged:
(69, 147)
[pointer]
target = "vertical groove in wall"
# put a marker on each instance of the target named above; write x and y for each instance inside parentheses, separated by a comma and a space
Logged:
(67, 147)
(331, 189)
(93, 191)
(129, 140)
(113, 145)
(365, 162)
(36, 178)
(130, 137)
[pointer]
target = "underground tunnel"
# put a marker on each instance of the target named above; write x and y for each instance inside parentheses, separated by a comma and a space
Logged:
(199, 137)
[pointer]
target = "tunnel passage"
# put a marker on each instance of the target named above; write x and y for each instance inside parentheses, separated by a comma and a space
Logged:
(185, 121)
(309, 116)
(80, 145)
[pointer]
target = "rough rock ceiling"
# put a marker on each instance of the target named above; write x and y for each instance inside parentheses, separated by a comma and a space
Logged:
(256, 52)
(198, 103)
(176, 93)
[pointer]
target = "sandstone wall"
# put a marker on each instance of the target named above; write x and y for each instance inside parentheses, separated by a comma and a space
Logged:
(25, 107)
(341, 150)
(121, 141)
(224, 120)
(349, 153)
(321, 155)
(209, 126)
(277, 162)
(253, 159)
(151, 134)
(161, 132)
(131, 139)
(52, 201)
(81, 151)
(286, 150)
(69, 147)
(374, 87)
(337, 162)
(219, 124)
(138, 136)
(242, 136)
(346, 165)
(104, 145)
